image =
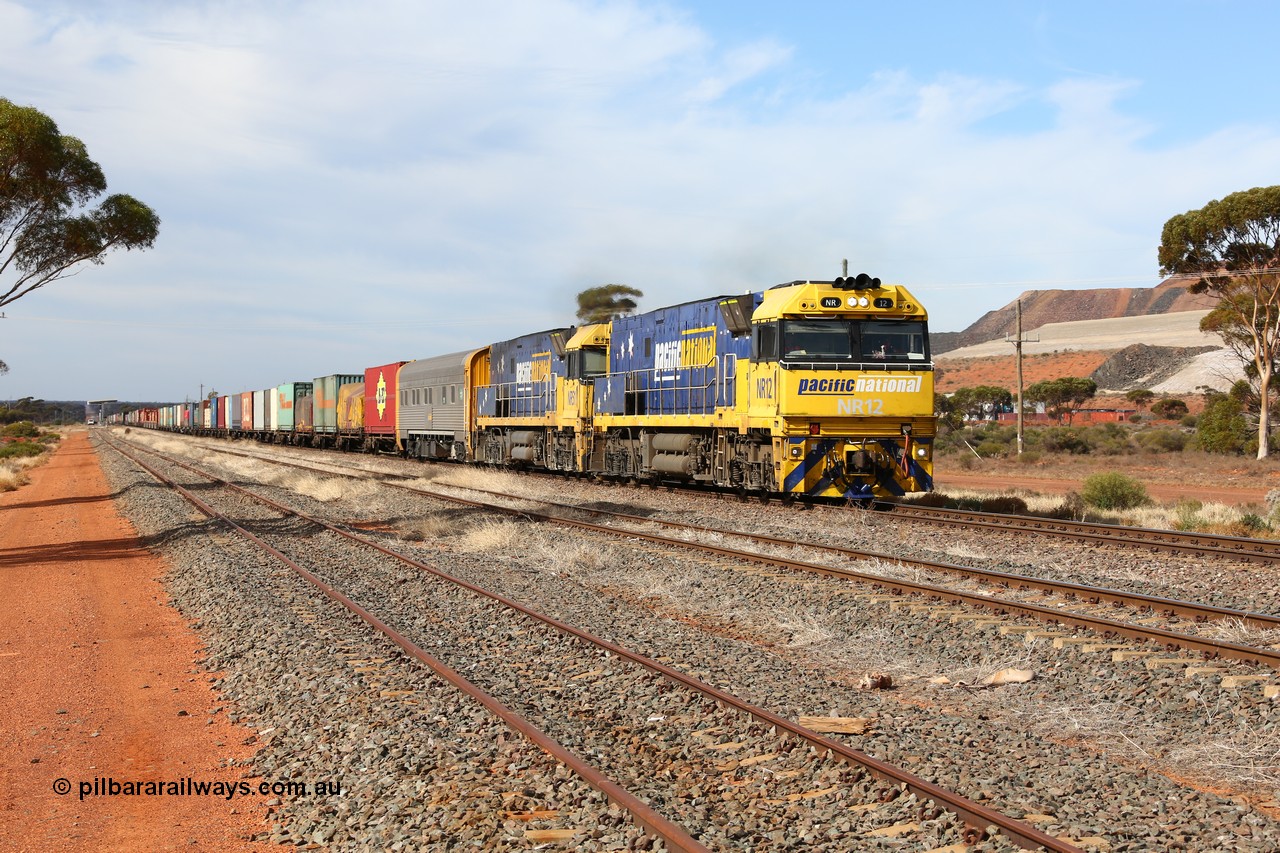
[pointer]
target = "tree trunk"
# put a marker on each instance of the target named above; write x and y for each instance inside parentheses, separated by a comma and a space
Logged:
(1264, 413)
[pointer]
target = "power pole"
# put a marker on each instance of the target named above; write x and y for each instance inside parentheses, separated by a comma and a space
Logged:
(1017, 342)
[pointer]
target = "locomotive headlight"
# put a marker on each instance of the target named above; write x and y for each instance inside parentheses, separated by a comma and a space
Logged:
(796, 451)
(862, 302)
(921, 452)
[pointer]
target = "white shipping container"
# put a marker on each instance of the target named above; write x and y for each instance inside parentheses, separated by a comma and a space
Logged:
(259, 410)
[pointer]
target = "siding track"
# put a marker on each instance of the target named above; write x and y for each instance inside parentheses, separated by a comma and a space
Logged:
(760, 726)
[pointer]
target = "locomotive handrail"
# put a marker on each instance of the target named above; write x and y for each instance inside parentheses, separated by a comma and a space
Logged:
(713, 364)
(542, 389)
(840, 366)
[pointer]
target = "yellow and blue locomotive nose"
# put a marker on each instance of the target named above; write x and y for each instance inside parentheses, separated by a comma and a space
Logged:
(838, 467)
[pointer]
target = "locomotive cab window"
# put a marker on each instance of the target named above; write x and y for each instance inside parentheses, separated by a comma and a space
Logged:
(588, 362)
(817, 340)
(838, 341)
(764, 342)
(893, 341)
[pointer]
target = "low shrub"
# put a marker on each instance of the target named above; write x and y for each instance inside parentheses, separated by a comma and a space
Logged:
(1072, 507)
(1004, 505)
(20, 449)
(931, 499)
(1064, 440)
(1254, 523)
(21, 429)
(1162, 440)
(1029, 457)
(992, 449)
(1169, 407)
(1112, 490)
(1186, 514)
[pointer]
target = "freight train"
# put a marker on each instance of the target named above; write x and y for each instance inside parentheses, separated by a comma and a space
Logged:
(809, 388)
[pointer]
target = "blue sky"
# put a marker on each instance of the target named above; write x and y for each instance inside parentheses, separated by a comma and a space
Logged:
(343, 185)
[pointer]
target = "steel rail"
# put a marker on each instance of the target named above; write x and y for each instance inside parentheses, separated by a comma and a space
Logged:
(976, 815)
(1155, 604)
(1241, 548)
(645, 815)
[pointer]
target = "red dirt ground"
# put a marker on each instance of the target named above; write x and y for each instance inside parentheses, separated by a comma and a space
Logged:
(99, 679)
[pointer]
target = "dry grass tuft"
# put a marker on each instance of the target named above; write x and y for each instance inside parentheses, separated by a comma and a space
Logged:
(494, 536)
(13, 475)
(1236, 631)
(13, 472)
(503, 482)
(432, 526)
(568, 556)
(326, 489)
(1248, 759)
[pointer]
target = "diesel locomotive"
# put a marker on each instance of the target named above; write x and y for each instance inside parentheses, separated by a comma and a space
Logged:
(809, 388)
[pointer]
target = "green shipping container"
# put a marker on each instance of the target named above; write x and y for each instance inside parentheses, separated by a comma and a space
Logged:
(326, 399)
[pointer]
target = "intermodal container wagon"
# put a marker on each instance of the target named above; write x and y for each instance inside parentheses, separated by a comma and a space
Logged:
(326, 393)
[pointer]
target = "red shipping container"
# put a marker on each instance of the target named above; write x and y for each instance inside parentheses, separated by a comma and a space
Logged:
(380, 390)
(246, 410)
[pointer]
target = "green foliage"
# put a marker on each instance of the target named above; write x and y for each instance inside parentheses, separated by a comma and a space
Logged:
(1223, 426)
(948, 417)
(982, 401)
(602, 304)
(1061, 397)
(1232, 248)
(1140, 397)
(1187, 514)
(1029, 457)
(1162, 440)
(1113, 490)
(20, 449)
(47, 182)
(21, 429)
(1189, 421)
(1063, 440)
(1110, 439)
(1169, 408)
(1254, 523)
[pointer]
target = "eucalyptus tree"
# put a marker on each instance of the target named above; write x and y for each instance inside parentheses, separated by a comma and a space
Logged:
(49, 223)
(602, 304)
(1230, 248)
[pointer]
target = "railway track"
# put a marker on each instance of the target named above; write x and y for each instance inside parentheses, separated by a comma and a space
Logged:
(823, 766)
(1072, 604)
(1172, 541)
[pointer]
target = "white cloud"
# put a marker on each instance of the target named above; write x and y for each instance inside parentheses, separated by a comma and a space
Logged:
(441, 163)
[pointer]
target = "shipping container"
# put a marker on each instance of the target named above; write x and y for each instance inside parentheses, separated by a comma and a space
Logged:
(262, 410)
(351, 407)
(380, 384)
(326, 390)
(286, 398)
(246, 412)
(304, 414)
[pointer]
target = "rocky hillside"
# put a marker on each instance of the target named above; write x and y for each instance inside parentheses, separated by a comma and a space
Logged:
(1041, 307)
(1143, 366)
(1163, 352)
